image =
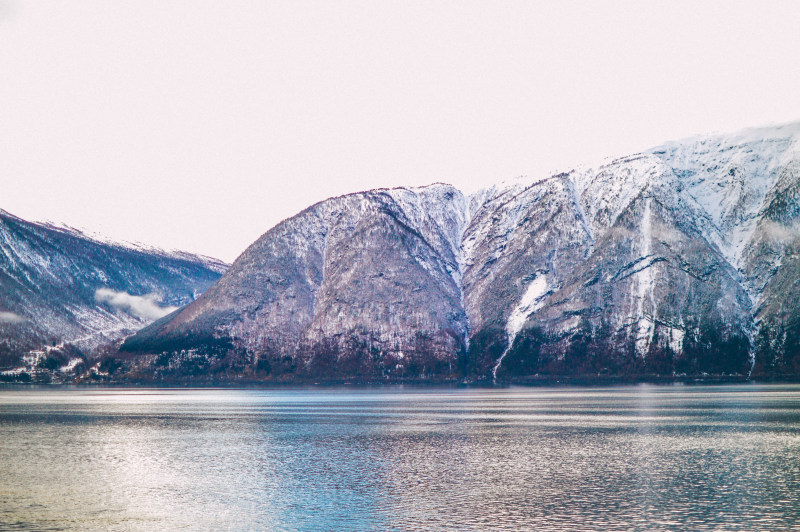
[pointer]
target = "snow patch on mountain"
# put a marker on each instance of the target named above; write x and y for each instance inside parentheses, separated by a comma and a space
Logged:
(532, 300)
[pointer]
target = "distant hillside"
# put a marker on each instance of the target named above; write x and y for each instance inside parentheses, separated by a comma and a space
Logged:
(58, 286)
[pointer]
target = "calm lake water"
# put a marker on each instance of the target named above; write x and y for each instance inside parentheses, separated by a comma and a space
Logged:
(637, 457)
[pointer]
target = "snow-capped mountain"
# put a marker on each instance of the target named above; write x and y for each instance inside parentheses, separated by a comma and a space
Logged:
(680, 260)
(58, 286)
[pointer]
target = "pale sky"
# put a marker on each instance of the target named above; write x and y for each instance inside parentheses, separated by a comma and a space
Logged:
(198, 125)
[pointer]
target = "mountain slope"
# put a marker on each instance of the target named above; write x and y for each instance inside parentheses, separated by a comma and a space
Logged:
(58, 286)
(339, 285)
(681, 260)
(605, 273)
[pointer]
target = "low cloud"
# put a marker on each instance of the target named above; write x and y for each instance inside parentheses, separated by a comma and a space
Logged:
(780, 232)
(10, 317)
(144, 307)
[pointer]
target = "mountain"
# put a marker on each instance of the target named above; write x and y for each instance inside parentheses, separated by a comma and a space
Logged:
(59, 287)
(682, 260)
(359, 285)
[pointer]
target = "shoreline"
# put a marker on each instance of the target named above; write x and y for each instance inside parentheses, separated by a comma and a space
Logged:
(526, 382)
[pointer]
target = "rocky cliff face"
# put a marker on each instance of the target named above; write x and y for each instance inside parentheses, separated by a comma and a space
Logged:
(59, 287)
(681, 260)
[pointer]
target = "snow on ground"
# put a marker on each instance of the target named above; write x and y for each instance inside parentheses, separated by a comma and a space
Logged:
(70, 365)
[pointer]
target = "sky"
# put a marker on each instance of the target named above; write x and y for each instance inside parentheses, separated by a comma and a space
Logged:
(198, 125)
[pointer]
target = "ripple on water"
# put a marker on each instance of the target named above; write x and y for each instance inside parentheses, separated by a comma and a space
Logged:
(641, 457)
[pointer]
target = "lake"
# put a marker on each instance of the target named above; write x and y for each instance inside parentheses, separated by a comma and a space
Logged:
(617, 458)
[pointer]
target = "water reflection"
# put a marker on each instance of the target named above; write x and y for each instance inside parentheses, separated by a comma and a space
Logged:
(641, 457)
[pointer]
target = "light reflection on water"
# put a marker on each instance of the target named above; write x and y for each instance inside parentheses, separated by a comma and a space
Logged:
(638, 457)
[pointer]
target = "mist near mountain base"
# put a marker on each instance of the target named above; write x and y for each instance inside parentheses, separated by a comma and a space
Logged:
(145, 307)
